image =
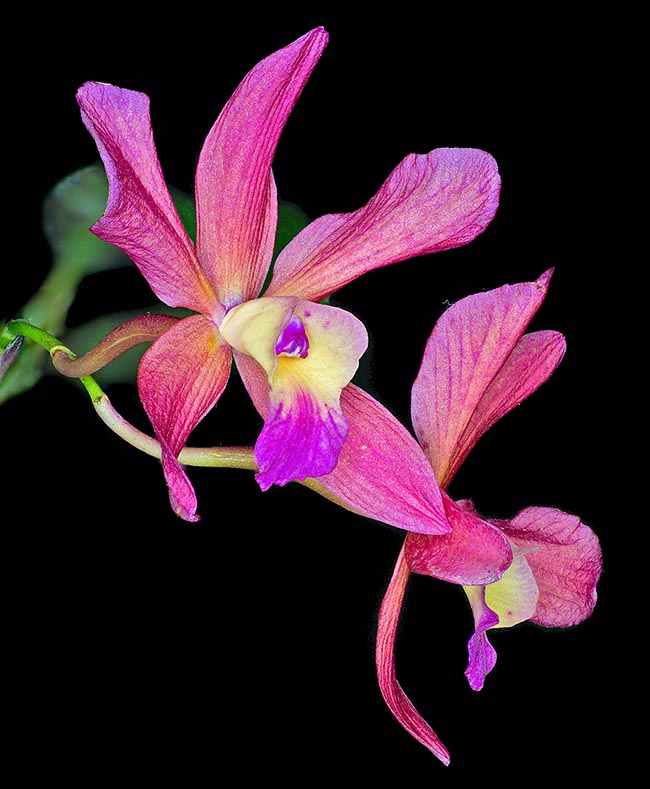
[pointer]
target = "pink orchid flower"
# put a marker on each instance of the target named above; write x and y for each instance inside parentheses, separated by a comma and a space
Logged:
(479, 364)
(295, 355)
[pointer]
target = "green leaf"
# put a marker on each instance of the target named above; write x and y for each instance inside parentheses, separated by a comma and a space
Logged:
(186, 210)
(70, 208)
(291, 220)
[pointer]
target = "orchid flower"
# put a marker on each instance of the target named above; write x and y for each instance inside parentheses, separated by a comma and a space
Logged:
(296, 356)
(478, 364)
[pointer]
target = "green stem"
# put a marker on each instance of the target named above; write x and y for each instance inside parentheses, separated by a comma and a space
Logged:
(218, 457)
(50, 304)
(221, 457)
(32, 332)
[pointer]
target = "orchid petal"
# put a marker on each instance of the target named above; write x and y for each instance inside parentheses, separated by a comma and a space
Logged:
(482, 655)
(381, 472)
(429, 203)
(473, 552)
(180, 378)
(182, 497)
(140, 217)
(398, 702)
(255, 380)
(235, 192)
(309, 353)
(531, 363)
(564, 555)
(468, 372)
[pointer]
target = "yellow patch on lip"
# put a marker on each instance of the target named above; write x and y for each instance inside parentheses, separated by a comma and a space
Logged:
(254, 327)
(514, 596)
(298, 343)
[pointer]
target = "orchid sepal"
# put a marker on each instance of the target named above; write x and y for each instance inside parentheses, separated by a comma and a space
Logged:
(473, 552)
(478, 365)
(394, 696)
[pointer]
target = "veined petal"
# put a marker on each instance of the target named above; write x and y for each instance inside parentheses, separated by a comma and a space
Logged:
(429, 203)
(181, 492)
(462, 370)
(482, 655)
(382, 473)
(474, 551)
(140, 217)
(565, 557)
(531, 363)
(309, 353)
(255, 380)
(180, 379)
(398, 702)
(235, 192)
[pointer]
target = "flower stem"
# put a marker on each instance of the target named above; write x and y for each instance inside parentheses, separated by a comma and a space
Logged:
(219, 457)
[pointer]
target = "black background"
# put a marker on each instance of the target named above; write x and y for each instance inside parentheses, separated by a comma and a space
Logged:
(141, 646)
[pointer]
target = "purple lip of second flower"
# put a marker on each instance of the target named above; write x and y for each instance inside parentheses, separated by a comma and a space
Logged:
(293, 339)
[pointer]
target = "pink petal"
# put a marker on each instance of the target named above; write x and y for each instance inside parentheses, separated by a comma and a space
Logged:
(180, 379)
(474, 552)
(398, 702)
(235, 192)
(140, 217)
(565, 558)
(381, 472)
(531, 363)
(181, 492)
(471, 371)
(429, 203)
(255, 380)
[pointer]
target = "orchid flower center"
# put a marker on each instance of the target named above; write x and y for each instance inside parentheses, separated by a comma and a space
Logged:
(293, 339)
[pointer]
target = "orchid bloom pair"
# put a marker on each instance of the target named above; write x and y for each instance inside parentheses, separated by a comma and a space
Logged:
(295, 355)
(543, 565)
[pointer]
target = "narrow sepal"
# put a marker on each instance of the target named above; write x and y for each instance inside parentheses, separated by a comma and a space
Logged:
(394, 696)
